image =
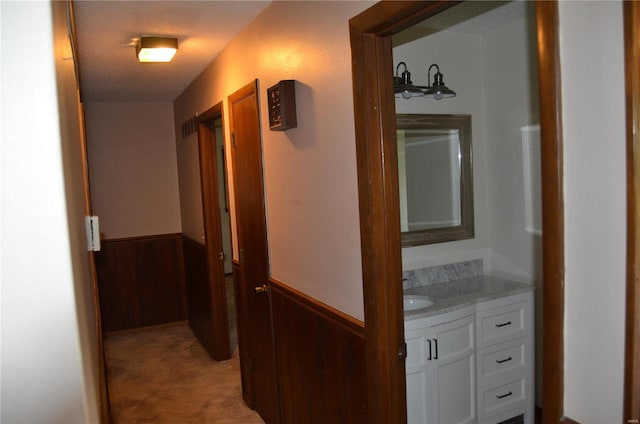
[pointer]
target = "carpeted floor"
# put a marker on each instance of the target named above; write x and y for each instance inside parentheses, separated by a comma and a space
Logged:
(164, 375)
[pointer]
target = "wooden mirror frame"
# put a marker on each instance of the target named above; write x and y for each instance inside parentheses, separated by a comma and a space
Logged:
(466, 228)
(376, 152)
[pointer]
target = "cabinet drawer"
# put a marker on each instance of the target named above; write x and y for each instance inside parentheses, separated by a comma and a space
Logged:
(502, 398)
(500, 324)
(504, 358)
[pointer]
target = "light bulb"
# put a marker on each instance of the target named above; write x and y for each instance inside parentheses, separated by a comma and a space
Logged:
(406, 94)
(437, 95)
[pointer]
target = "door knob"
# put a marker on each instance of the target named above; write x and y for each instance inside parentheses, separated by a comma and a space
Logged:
(261, 289)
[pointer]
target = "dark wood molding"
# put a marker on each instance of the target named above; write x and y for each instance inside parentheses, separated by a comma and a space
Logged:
(374, 113)
(141, 281)
(552, 210)
(319, 359)
(631, 412)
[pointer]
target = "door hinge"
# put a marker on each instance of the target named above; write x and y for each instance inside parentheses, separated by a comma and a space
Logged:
(241, 256)
(233, 139)
(251, 365)
(92, 225)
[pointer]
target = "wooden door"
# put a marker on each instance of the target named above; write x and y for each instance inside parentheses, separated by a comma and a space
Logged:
(211, 325)
(254, 306)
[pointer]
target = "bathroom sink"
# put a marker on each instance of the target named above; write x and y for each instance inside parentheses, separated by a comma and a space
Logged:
(415, 302)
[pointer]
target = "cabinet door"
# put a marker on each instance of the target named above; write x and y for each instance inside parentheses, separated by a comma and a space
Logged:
(455, 371)
(441, 373)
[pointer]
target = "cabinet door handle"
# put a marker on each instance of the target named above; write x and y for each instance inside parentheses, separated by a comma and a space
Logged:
(504, 395)
(504, 324)
(502, 361)
(435, 341)
(429, 341)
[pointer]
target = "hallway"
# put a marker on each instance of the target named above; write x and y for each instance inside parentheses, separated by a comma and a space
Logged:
(164, 375)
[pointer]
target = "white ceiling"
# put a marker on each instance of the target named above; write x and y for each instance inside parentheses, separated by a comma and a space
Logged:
(106, 30)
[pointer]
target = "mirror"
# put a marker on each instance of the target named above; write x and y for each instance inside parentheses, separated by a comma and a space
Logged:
(435, 178)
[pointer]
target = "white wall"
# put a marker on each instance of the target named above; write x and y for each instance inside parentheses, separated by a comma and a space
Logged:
(591, 52)
(310, 171)
(133, 171)
(459, 57)
(49, 350)
(495, 76)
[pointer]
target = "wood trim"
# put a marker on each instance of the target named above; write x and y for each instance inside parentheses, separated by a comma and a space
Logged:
(552, 210)
(376, 153)
(631, 411)
(374, 113)
(321, 309)
(213, 232)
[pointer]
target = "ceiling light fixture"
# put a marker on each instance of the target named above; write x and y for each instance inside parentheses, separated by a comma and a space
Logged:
(438, 90)
(156, 49)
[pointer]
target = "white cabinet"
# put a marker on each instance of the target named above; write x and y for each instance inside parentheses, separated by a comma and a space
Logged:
(505, 359)
(472, 365)
(441, 369)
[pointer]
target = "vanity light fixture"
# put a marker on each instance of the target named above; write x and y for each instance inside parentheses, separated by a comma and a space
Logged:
(438, 90)
(156, 49)
(402, 85)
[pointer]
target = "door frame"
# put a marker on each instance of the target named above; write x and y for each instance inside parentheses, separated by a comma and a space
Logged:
(374, 113)
(631, 13)
(207, 154)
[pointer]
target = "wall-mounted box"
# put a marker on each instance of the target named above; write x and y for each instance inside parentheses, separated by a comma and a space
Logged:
(281, 99)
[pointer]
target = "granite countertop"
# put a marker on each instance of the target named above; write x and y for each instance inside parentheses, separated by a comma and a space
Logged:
(458, 294)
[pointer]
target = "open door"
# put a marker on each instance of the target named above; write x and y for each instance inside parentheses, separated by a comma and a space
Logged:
(255, 330)
(208, 319)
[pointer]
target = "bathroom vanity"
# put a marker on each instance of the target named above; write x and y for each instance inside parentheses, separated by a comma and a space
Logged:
(469, 351)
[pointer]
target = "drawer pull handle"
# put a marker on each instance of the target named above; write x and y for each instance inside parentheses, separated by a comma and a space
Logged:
(504, 395)
(430, 356)
(504, 324)
(502, 361)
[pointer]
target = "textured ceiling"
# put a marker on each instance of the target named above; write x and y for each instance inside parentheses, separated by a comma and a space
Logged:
(106, 30)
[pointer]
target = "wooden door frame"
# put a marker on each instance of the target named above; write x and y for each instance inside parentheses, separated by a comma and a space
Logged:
(632, 333)
(212, 231)
(374, 110)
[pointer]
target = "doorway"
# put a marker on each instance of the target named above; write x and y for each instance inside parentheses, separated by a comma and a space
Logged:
(379, 212)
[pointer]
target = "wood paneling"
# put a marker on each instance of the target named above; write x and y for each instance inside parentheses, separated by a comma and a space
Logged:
(141, 281)
(320, 360)
(632, 334)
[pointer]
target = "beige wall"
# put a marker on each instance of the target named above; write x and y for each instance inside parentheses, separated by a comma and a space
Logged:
(310, 171)
(49, 347)
(132, 165)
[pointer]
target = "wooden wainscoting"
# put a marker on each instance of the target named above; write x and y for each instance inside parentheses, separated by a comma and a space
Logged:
(320, 354)
(141, 281)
